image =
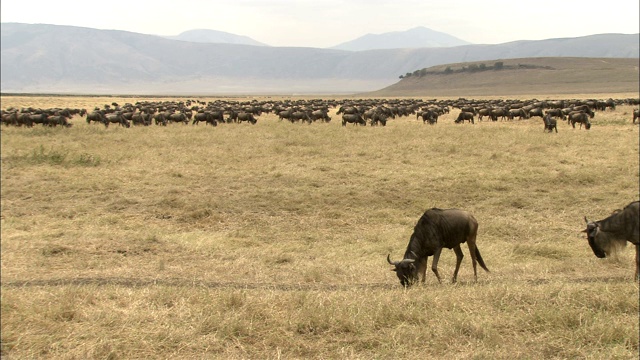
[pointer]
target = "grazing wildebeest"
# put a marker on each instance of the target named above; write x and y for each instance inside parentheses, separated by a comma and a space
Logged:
(116, 118)
(464, 116)
(437, 229)
(353, 118)
(622, 226)
(518, 112)
(550, 123)
(580, 117)
(428, 116)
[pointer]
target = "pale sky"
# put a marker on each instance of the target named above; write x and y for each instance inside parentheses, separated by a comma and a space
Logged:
(325, 23)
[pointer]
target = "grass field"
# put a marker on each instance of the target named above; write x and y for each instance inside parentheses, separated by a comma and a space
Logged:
(270, 240)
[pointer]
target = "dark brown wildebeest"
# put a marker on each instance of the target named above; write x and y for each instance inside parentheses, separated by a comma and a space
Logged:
(519, 113)
(320, 115)
(607, 234)
(536, 112)
(353, 118)
(579, 117)
(464, 116)
(550, 123)
(246, 116)
(484, 112)
(556, 113)
(437, 229)
(428, 116)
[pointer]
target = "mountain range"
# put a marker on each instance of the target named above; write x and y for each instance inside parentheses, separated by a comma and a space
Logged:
(214, 37)
(419, 37)
(41, 58)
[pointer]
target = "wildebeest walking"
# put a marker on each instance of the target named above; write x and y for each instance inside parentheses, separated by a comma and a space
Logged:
(622, 226)
(437, 229)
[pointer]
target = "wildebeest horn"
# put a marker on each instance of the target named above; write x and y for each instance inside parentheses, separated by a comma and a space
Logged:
(394, 263)
(586, 220)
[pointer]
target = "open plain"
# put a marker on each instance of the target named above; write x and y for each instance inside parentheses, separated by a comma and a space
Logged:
(270, 240)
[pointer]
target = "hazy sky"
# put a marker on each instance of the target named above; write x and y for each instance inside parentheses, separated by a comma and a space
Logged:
(325, 23)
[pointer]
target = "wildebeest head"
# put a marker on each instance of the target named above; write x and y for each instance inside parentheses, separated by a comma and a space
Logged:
(406, 271)
(597, 243)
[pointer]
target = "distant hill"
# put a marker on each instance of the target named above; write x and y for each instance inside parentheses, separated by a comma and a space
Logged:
(525, 76)
(214, 37)
(418, 37)
(44, 58)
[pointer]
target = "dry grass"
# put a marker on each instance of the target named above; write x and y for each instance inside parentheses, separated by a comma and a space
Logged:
(269, 240)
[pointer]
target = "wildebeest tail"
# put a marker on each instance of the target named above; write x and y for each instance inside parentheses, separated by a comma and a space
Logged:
(480, 260)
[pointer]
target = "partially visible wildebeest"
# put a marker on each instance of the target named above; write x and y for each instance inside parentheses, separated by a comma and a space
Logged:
(636, 115)
(550, 123)
(428, 116)
(320, 115)
(437, 229)
(614, 231)
(536, 112)
(520, 112)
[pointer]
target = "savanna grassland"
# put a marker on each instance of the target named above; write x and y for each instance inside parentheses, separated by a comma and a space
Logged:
(270, 240)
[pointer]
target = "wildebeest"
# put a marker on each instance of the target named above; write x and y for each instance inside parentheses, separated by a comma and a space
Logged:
(536, 112)
(437, 229)
(550, 123)
(320, 115)
(636, 115)
(580, 117)
(464, 116)
(116, 118)
(521, 113)
(615, 230)
(353, 118)
(247, 116)
(428, 116)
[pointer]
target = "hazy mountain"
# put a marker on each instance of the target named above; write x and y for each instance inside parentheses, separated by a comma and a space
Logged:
(214, 37)
(413, 38)
(66, 59)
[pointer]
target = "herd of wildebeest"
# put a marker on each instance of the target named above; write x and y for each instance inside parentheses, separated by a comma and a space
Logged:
(437, 228)
(360, 112)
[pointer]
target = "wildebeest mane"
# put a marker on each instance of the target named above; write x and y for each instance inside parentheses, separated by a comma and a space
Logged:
(614, 223)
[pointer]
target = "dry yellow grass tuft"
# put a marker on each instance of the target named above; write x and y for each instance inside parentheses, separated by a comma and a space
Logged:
(270, 240)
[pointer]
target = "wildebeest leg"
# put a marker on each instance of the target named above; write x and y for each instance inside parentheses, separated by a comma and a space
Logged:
(459, 256)
(472, 251)
(434, 264)
(422, 268)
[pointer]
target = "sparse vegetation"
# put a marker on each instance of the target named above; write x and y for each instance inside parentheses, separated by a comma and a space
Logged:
(270, 240)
